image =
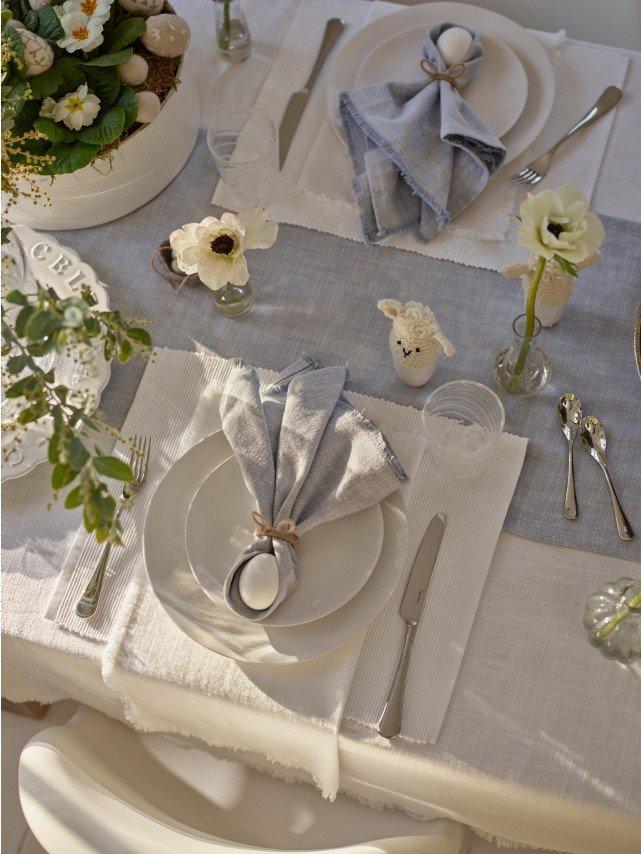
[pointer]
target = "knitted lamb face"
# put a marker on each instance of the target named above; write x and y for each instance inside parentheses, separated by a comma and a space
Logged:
(416, 339)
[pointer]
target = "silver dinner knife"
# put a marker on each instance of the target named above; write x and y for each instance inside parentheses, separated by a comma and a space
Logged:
(297, 103)
(389, 724)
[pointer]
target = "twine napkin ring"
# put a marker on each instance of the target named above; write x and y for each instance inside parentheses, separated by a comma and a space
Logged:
(450, 76)
(283, 530)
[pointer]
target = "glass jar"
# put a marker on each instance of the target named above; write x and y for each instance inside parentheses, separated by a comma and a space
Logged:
(234, 300)
(463, 422)
(232, 31)
(522, 368)
(613, 620)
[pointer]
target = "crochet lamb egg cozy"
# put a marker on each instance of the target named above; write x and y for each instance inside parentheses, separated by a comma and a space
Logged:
(415, 340)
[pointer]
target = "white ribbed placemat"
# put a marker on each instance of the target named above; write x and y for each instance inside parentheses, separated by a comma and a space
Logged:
(314, 185)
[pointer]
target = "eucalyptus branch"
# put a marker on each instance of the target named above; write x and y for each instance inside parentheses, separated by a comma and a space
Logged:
(33, 327)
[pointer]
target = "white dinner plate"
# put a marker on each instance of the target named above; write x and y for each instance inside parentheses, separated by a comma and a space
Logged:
(497, 93)
(60, 268)
(334, 559)
(219, 628)
(349, 57)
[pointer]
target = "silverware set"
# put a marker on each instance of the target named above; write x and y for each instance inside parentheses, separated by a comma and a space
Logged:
(139, 464)
(593, 439)
(537, 170)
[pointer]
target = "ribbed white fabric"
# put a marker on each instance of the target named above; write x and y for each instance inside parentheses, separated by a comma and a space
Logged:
(314, 184)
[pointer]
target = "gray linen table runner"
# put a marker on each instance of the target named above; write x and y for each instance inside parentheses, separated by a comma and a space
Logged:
(420, 153)
(306, 455)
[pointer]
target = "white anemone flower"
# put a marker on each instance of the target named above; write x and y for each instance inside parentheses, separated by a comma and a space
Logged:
(214, 248)
(81, 31)
(558, 222)
(77, 109)
(48, 108)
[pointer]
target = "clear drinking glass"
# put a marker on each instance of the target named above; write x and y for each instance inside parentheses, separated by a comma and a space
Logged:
(463, 421)
(244, 145)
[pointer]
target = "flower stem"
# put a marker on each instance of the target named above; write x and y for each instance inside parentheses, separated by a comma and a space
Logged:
(530, 318)
(606, 631)
(224, 41)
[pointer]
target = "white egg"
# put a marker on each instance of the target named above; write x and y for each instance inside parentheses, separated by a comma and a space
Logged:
(148, 107)
(453, 44)
(258, 583)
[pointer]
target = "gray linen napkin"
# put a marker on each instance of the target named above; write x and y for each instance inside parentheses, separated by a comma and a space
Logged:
(305, 454)
(420, 153)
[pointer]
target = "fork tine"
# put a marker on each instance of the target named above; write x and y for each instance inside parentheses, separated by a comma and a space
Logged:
(146, 458)
(138, 458)
(536, 178)
(132, 455)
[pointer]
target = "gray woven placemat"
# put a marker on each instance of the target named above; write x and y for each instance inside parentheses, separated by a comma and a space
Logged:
(316, 293)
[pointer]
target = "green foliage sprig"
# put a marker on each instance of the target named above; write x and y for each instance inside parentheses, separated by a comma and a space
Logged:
(35, 325)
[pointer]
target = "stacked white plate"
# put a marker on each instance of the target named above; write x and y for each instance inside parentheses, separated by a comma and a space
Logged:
(199, 521)
(512, 92)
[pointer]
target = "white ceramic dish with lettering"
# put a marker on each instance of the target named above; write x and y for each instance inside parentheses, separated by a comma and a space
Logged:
(497, 93)
(334, 560)
(351, 55)
(60, 268)
(218, 628)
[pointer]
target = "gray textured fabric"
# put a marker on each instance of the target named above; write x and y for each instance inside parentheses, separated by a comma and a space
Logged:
(316, 293)
(306, 454)
(420, 153)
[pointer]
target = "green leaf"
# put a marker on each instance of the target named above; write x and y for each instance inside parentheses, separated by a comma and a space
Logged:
(13, 101)
(108, 59)
(70, 158)
(41, 348)
(125, 33)
(45, 84)
(53, 452)
(49, 26)
(40, 324)
(125, 351)
(104, 503)
(71, 73)
(31, 20)
(11, 37)
(74, 498)
(127, 101)
(106, 84)
(78, 454)
(106, 129)
(15, 297)
(141, 336)
(33, 413)
(16, 364)
(18, 389)
(61, 475)
(26, 117)
(21, 320)
(566, 266)
(55, 131)
(112, 467)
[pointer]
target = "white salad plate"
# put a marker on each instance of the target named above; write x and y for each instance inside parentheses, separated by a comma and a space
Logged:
(217, 627)
(351, 55)
(334, 560)
(497, 93)
(60, 268)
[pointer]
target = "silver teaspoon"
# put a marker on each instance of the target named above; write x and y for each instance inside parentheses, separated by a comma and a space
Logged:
(568, 410)
(593, 438)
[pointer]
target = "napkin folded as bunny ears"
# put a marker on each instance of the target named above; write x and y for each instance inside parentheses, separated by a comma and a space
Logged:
(306, 454)
(420, 153)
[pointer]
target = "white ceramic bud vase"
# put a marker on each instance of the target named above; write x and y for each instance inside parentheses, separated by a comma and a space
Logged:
(414, 376)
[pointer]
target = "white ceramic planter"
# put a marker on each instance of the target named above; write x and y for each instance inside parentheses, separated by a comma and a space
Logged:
(140, 168)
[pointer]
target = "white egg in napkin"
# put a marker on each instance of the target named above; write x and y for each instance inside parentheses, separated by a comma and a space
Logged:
(453, 44)
(258, 583)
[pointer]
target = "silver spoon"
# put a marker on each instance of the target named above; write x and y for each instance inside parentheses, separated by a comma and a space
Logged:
(593, 438)
(569, 411)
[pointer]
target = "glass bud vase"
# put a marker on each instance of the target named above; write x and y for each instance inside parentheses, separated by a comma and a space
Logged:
(234, 300)
(232, 31)
(522, 369)
(613, 620)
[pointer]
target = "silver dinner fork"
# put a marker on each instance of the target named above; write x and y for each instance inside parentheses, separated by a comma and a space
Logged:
(139, 463)
(537, 170)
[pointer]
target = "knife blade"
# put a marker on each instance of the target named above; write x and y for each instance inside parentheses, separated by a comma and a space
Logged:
(298, 101)
(389, 724)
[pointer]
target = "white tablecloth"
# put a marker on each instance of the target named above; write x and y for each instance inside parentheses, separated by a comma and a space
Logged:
(541, 739)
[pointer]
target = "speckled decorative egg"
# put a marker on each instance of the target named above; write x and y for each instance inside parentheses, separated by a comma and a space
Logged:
(17, 25)
(37, 53)
(453, 44)
(134, 71)
(148, 107)
(144, 8)
(166, 35)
